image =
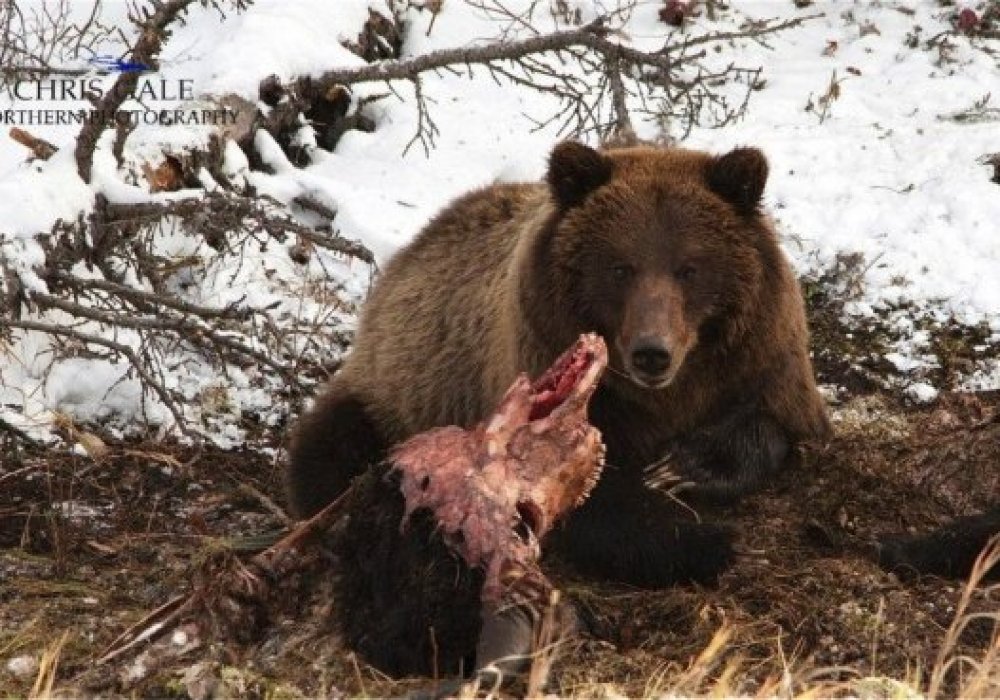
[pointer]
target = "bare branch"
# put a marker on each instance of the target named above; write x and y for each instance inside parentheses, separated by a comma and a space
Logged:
(623, 130)
(154, 301)
(225, 208)
(190, 331)
(593, 36)
(33, 43)
(426, 128)
(6, 427)
(137, 292)
(675, 83)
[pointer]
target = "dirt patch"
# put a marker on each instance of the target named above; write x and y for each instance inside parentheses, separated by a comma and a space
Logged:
(90, 547)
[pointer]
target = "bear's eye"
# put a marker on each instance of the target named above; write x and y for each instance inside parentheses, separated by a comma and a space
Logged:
(622, 272)
(686, 272)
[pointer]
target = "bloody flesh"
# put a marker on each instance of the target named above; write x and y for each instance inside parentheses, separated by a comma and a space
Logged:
(496, 489)
(552, 388)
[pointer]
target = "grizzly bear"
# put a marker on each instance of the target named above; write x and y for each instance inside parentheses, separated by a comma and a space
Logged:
(664, 252)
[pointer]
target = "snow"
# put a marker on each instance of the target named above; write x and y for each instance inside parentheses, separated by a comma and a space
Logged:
(37, 194)
(888, 172)
(77, 510)
(22, 666)
(922, 392)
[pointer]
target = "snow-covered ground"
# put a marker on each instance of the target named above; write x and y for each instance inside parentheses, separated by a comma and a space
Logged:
(887, 172)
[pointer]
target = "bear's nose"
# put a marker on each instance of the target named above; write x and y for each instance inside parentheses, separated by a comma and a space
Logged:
(650, 357)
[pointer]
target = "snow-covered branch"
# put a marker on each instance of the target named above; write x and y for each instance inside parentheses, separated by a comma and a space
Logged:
(111, 293)
(676, 76)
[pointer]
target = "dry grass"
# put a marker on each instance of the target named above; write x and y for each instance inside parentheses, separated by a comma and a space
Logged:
(547, 647)
(718, 672)
(48, 667)
(983, 679)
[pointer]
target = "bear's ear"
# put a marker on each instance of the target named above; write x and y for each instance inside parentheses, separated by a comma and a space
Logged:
(575, 171)
(739, 178)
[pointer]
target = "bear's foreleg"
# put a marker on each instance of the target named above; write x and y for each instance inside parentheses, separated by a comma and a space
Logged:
(335, 441)
(626, 532)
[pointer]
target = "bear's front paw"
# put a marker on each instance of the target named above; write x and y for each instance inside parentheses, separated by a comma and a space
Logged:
(713, 472)
(723, 462)
(686, 471)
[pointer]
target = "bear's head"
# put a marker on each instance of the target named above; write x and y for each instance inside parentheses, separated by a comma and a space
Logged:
(661, 251)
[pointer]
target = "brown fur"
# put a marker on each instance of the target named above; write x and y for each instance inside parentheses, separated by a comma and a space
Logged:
(642, 245)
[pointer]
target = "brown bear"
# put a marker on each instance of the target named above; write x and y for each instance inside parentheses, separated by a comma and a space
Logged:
(665, 253)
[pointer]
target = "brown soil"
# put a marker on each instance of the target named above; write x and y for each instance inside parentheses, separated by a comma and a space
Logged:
(804, 593)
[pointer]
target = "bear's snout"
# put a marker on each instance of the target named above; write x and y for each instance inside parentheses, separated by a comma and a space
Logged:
(650, 359)
(656, 334)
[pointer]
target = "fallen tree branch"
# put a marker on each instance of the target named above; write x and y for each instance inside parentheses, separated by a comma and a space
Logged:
(226, 206)
(7, 427)
(594, 49)
(153, 301)
(250, 584)
(38, 36)
(593, 36)
(139, 290)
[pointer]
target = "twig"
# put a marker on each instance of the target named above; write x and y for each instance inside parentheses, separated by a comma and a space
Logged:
(146, 629)
(6, 427)
(548, 635)
(262, 498)
(274, 558)
(236, 205)
(156, 300)
(336, 244)
(188, 330)
(756, 30)
(623, 130)
(426, 128)
(41, 148)
(314, 205)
